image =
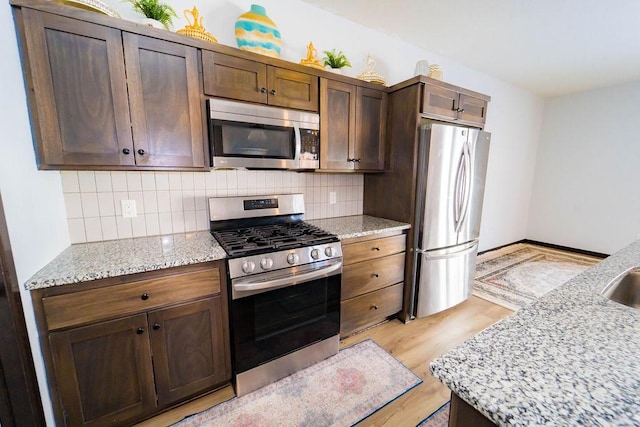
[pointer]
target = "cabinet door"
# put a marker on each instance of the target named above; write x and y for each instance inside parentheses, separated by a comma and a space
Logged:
(291, 89)
(472, 110)
(371, 113)
(166, 106)
(337, 125)
(188, 349)
(78, 92)
(440, 103)
(236, 78)
(104, 371)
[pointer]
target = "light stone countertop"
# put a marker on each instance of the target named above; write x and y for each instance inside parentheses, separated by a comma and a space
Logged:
(91, 261)
(571, 358)
(346, 227)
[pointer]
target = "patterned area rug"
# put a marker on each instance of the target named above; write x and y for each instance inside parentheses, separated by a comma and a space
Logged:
(439, 418)
(339, 391)
(517, 275)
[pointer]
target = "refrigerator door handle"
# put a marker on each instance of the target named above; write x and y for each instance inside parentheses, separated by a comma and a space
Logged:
(466, 190)
(457, 193)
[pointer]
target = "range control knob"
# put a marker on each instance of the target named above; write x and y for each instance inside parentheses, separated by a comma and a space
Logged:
(266, 263)
(293, 258)
(248, 267)
(315, 254)
(329, 251)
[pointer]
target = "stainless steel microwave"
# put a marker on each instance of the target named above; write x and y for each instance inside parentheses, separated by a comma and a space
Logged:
(262, 137)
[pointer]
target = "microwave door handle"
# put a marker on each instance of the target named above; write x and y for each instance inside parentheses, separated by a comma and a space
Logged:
(297, 146)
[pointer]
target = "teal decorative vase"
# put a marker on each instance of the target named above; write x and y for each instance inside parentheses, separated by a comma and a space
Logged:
(255, 32)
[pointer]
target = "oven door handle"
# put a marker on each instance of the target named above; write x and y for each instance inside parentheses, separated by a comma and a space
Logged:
(288, 280)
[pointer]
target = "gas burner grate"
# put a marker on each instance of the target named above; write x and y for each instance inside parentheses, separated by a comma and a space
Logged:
(267, 238)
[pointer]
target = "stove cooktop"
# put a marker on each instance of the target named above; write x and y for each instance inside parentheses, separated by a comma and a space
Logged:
(247, 241)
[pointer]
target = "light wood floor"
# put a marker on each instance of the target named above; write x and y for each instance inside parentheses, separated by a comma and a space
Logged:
(415, 344)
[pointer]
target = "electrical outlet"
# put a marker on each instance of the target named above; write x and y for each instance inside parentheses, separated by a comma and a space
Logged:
(332, 197)
(129, 209)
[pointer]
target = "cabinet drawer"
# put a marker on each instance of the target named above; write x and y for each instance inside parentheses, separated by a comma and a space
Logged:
(376, 248)
(83, 307)
(368, 309)
(366, 277)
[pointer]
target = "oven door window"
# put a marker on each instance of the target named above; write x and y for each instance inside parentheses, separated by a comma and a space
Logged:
(272, 324)
(237, 139)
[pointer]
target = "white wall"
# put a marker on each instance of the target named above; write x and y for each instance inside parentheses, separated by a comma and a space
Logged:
(32, 199)
(586, 182)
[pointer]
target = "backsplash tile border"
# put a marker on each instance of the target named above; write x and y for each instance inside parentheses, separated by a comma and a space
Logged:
(176, 202)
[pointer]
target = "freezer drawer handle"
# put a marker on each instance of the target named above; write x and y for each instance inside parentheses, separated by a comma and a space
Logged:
(376, 249)
(449, 255)
(374, 306)
(375, 275)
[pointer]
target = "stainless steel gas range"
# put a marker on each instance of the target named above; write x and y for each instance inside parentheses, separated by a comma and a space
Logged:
(284, 280)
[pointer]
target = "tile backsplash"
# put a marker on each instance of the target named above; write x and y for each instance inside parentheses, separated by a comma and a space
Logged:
(176, 202)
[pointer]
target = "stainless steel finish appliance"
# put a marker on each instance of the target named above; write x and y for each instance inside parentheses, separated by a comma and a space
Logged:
(284, 280)
(262, 137)
(450, 191)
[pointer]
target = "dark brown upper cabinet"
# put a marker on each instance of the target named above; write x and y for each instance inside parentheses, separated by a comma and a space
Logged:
(242, 79)
(449, 104)
(101, 98)
(352, 127)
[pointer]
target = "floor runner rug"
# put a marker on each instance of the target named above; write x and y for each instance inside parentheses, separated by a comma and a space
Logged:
(439, 417)
(338, 391)
(517, 275)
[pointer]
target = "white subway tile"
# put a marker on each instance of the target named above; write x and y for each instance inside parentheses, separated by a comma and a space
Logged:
(201, 200)
(105, 204)
(76, 230)
(134, 181)
(152, 221)
(162, 181)
(187, 180)
(221, 180)
(150, 201)
(360, 209)
(70, 182)
(164, 201)
(232, 179)
(243, 179)
(188, 201)
(323, 211)
(190, 223)
(317, 194)
(324, 180)
(148, 181)
(73, 205)
(90, 208)
(87, 181)
(210, 180)
(103, 182)
(109, 228)
(177, 222)
(166, 226)
(202, 220)
(277, 180)
(124, 228)
(138, 226)
(175, 181)
(93, 229)
(199, 181)
(176, 201)
(119, 181)
(324, 194)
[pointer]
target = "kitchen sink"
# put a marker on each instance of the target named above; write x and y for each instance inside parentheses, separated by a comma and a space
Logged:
(625, 289)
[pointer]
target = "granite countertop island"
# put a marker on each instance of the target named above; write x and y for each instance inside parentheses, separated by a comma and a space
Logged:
(571, 358)
(92, 261)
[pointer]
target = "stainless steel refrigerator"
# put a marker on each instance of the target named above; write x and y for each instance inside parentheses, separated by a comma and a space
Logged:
(452, 165)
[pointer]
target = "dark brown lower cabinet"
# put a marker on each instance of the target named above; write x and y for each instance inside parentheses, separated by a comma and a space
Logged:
(104, 371)
(120, 350)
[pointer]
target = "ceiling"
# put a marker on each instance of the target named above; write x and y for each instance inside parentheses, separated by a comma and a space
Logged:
(550, 47)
